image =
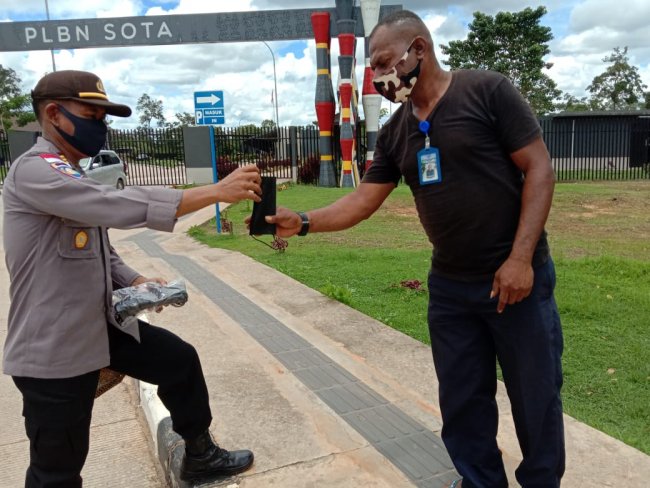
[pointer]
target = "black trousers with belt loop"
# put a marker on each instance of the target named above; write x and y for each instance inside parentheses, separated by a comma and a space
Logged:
(58, 411)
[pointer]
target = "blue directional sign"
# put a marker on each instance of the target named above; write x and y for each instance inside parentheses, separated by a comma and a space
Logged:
(209, 108)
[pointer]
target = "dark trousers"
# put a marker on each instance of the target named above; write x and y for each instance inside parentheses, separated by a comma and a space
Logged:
(58, 411)
(467, 338)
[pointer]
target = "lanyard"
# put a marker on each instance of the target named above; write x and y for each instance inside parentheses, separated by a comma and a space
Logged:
(424, 128)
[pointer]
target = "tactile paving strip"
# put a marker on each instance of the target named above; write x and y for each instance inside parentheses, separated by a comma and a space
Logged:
(415, 450)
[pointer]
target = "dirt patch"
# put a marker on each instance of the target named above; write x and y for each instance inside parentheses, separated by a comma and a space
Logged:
(403, 211)
(604, 217)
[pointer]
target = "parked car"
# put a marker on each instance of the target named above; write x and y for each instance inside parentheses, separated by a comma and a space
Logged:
(107, 168)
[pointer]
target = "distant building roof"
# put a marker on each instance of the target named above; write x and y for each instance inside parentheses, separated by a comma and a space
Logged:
(604, 113)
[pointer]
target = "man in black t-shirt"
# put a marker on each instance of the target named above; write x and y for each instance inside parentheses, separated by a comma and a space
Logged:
(471, 150)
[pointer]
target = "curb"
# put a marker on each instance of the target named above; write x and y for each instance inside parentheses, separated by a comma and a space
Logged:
(169, 447)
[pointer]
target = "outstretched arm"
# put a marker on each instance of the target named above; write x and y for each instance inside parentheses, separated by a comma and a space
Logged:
(241, 184)
(342, 214)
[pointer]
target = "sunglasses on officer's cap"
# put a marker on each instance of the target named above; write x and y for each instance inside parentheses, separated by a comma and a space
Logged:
(80, 86)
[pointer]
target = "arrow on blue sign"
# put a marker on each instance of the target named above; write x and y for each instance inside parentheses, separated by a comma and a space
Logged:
(212, 99)
(208, 99)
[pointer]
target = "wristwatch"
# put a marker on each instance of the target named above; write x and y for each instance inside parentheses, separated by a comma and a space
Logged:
(305, 224)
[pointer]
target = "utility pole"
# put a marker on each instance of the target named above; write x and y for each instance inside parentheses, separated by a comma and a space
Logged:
(47, 13)
(275, 82)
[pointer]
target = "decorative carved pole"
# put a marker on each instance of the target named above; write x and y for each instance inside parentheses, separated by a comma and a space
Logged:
(325, 103)
(371, 99)
(346, 26)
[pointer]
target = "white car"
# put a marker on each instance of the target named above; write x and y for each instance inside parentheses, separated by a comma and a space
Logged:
(107, 168)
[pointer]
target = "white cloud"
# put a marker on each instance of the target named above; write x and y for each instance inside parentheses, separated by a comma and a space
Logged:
(202, 6)
(624, 15)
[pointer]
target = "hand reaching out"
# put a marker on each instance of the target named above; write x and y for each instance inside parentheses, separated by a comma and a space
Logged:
(287, 222)
(241, 184)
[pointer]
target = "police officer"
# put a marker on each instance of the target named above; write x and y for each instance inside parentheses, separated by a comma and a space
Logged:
(63, 269)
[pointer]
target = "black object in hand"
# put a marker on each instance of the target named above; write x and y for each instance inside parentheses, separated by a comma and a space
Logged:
(258, 224)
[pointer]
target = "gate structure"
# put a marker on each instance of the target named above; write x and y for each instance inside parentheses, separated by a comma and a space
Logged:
(269, 25)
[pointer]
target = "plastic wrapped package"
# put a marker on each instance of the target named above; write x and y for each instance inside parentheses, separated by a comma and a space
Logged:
(129, 302)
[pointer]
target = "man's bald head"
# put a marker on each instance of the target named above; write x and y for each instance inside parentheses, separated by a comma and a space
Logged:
(404, 25)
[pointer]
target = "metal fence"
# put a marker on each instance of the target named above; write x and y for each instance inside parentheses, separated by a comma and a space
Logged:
(598, 148)
(583, 147)
(286, 153)
(152, 156)
(5, 156)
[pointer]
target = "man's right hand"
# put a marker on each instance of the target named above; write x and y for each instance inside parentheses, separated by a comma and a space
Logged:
(242, 184)
(287, 222)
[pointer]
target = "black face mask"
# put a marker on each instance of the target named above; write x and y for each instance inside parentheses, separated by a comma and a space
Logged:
(89, 134)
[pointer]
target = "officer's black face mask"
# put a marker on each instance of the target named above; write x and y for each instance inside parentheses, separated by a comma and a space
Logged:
(89, 134)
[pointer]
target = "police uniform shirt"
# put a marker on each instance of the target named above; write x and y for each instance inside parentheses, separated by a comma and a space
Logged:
(61, 264)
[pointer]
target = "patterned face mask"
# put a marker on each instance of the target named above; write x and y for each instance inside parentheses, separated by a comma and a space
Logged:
(394, 87)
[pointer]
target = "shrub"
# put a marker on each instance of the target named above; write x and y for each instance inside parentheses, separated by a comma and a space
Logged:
(309, 171)
(225, 166)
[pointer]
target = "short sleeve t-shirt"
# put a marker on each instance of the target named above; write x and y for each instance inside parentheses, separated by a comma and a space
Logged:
(471, 215)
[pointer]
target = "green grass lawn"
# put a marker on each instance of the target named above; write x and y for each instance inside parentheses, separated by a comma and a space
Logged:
(600, 239)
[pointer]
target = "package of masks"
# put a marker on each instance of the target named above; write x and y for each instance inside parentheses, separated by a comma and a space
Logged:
(131, 301)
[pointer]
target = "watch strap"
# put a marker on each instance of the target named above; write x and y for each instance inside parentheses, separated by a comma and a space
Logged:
(305, 224)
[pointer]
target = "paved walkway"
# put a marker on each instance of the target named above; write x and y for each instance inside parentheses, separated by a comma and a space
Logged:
(324, 395)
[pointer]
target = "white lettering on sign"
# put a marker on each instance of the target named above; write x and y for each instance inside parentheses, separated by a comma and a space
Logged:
(64, 33)
(146, 26)
(127, 31)
(110, 33)
(164, 30)
(30, 33)
(45, 39)
(82, 33)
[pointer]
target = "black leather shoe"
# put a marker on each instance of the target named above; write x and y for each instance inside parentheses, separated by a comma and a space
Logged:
(214, 462)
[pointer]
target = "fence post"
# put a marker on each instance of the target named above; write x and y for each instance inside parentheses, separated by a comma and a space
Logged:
(197, 146)
(293, 152)
(20, 141)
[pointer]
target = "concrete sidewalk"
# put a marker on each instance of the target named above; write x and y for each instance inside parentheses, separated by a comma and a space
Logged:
(324, 395)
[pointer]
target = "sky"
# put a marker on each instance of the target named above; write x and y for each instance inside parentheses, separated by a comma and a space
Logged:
(585, 31)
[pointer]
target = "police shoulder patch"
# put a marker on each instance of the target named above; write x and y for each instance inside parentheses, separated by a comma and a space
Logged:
(57, 164)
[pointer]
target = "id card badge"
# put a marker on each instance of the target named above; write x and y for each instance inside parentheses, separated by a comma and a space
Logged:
(429, 166)
(428, 158)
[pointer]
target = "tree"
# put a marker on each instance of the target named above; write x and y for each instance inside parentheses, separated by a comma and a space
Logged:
(183, 119)
(570, 103)
(619, 86)
(14, 105)
(513, 44)
(149, 110)
(268, 124)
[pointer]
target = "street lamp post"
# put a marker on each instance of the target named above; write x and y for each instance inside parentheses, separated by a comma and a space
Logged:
(275, 82)
(47, 13)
